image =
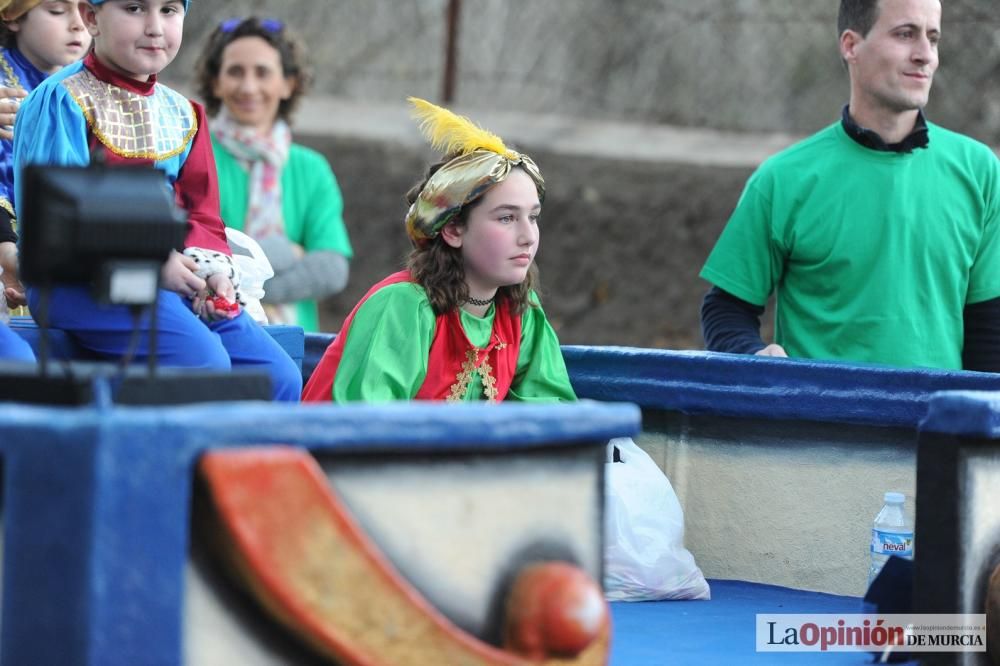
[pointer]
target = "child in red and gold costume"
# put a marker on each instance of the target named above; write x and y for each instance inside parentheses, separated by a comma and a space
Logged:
(111, 105)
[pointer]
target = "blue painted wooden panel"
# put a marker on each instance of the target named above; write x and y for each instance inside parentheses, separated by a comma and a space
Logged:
(695, 382)
(964, 413)
(764, 388)
(96, 502)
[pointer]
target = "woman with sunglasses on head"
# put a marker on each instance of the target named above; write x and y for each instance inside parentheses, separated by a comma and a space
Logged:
(251, 76)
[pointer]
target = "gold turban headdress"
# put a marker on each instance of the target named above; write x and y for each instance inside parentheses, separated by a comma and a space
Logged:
(481, 161)
(11, 10)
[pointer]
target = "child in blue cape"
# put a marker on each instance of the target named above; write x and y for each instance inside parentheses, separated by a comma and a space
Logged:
(111, 102)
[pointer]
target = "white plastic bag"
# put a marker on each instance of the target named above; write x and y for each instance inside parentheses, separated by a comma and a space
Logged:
(644, 554)
(254, 269)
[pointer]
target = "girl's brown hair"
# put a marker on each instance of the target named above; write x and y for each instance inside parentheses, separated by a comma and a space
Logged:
(439, 269)
(8, 38)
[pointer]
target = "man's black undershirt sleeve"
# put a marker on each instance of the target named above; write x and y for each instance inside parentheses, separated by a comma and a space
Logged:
(730, 324)
(981, 350)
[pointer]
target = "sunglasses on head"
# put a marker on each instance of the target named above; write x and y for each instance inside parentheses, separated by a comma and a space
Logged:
(268, 24)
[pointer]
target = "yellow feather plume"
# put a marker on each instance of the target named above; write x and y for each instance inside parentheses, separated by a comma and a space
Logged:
(451, 133)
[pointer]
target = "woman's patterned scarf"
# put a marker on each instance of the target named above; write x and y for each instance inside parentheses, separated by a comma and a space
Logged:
(263, 156)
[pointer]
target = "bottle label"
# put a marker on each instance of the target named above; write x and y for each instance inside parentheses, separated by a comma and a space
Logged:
(892, 543)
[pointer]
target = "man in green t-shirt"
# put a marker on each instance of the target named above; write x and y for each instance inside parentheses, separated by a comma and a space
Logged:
(879, 234)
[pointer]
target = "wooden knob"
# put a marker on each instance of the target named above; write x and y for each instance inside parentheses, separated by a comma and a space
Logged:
(554, 610)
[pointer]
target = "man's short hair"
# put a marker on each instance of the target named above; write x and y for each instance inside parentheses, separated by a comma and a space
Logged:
(857, 15)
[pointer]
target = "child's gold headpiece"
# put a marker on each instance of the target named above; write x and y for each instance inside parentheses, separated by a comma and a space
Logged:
(480, 161)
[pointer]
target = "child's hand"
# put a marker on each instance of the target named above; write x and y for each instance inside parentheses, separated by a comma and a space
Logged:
(218, 300)
(9, 281)
(178, 275)
(8, 110)
(222, 305)
(14, 293)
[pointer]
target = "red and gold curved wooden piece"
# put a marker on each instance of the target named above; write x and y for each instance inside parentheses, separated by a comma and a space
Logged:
(303, 556)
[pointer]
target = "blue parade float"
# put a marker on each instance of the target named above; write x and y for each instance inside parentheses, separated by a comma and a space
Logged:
(779, 465)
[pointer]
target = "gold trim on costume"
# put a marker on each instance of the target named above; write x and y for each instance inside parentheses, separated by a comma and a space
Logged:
(155, 127)
(489, 381)
(470, 368)
(8, 71)
(10, 81)
(462, 379)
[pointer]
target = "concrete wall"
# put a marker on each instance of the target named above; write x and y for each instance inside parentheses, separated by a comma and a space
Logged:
(614, 100)
(758, 65)
(783, 503)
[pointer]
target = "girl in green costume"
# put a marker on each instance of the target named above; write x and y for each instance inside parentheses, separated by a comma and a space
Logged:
(462, 322)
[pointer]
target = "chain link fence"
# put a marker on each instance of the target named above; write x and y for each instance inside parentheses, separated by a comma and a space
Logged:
(753, 65)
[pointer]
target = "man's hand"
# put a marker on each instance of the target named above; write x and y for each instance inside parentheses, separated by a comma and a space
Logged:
(8, 110)
(772, 350)
(178, 275)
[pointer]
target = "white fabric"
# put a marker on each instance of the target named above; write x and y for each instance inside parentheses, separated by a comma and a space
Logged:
(211, 262)
(254, 269)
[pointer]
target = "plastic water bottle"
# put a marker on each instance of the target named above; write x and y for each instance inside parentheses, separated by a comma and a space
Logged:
(892, 534)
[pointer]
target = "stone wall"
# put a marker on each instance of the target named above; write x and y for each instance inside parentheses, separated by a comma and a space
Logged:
(633, 206)
(757, 65)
